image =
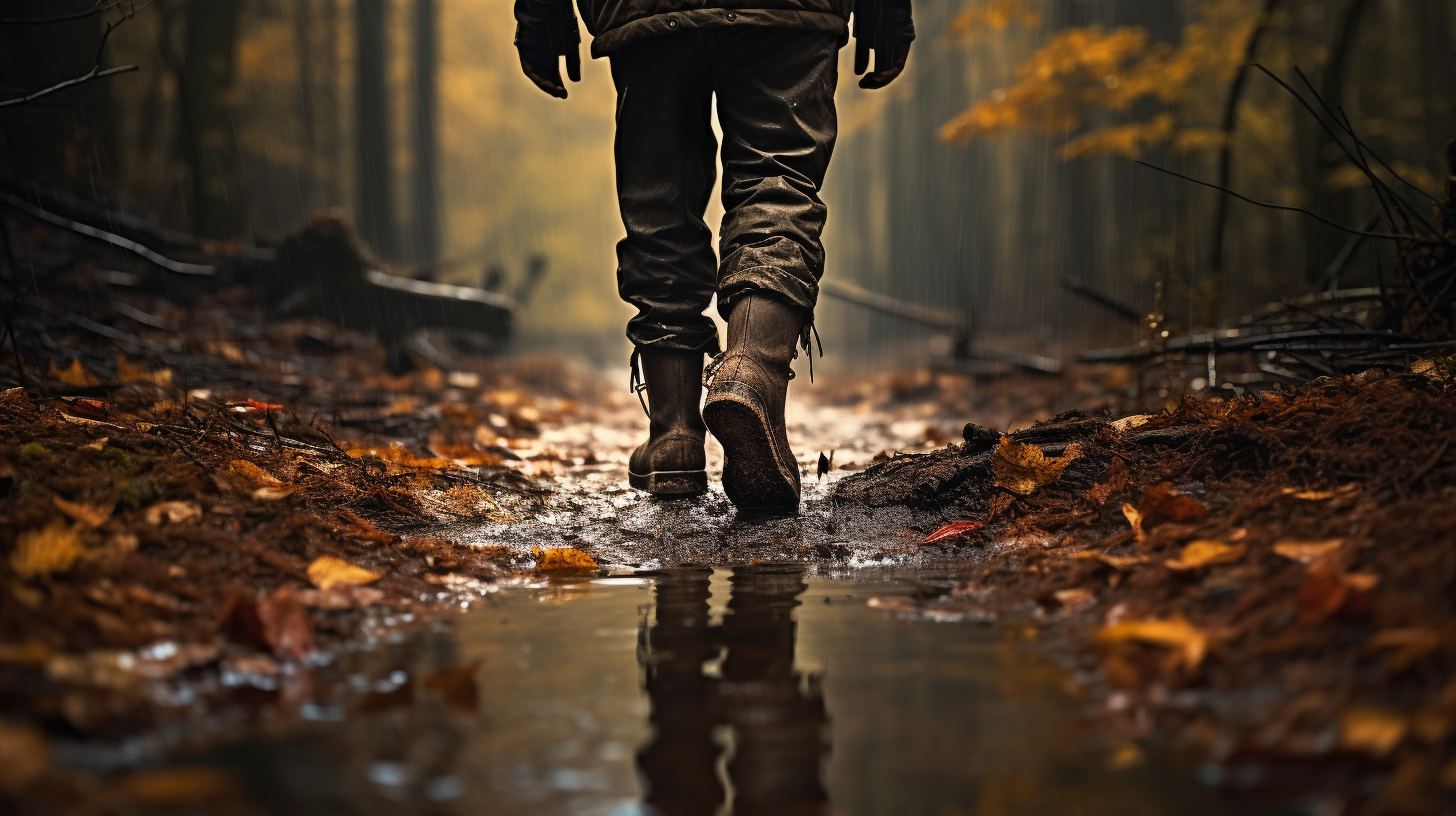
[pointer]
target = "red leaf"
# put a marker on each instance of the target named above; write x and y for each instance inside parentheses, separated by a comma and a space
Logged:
(959, 528)
(89, 408)
(254, 405)
(285, 625)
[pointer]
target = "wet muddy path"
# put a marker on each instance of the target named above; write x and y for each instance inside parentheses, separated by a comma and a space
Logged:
(763, 689)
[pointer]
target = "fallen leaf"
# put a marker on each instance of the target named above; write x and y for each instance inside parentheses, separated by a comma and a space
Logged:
(173, 512)
(468, 455)
(254, 405)
(88, 408)
(1160, 504)
(959, 528)
(1127, 756)
(130, 372)
(1113, 479)
(274, 493)
(1329, 589)
(1372, 730)
(255, 475)
(1134, 518)
(53, 548)
(1128, 423)
(1176, 634)
(1307, 552)
(1203, 553)
(564, 559)
(25, 755)
(285, 625)
(88, 515)
(1024, 468)
(327, 572)
(401, 456)
(75, 374)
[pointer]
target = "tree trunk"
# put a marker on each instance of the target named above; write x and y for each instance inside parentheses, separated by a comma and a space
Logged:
(303, 53)
(371, 110)
(209, 105)
(331, 168)
(424, 190)
(1226, 163)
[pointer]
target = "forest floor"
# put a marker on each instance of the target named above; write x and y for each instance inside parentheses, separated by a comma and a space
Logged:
(194, 490)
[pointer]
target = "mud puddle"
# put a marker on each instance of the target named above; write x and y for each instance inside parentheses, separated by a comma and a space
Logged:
(759, 690)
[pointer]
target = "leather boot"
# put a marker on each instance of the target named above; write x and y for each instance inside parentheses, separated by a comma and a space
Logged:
(745, 406)
(671, 464)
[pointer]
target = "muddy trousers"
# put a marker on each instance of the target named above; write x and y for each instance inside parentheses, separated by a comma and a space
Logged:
(775, 98)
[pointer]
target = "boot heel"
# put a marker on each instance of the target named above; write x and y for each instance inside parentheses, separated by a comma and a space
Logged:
(753, 475)
(671, 484)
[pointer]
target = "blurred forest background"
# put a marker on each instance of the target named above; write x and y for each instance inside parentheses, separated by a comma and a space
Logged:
(996, 171)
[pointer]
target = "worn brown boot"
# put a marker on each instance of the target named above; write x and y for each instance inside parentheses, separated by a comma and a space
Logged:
(671, 464)
(745, 407)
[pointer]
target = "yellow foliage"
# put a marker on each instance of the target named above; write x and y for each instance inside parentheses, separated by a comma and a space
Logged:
(75, 374)
(996, 15)
(1176, 634)
(130, 372)
(1081, 69)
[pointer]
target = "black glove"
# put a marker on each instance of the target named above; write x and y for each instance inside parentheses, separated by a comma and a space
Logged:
(546, 30)
(885, 27)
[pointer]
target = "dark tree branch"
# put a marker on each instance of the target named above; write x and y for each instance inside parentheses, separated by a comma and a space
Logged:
(1337, 225)
(95, 73)
(100, 7)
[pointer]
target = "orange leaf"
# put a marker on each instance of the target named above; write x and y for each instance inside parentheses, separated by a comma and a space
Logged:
(1175, 634)
(1201, 553)
(565, 559)
(1307, 552)
(1160, 505)
(1372, 730)
(327, 572)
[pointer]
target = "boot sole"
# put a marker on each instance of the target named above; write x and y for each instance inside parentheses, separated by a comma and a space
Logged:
(751, 475)
(671, 484)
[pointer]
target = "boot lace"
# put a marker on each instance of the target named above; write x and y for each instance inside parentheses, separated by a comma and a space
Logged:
(637, 381)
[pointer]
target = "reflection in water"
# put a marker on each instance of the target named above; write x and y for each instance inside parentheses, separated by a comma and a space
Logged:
(776, 718)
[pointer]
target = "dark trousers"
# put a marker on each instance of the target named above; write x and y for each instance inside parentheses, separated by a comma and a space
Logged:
(775, 92)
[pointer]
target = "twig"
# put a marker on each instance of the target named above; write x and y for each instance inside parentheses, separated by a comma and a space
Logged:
(110, 238)
(94, 73)
(100, 7)
(1337, 225)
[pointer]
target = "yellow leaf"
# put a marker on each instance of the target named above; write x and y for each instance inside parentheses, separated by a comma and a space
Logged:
(1372, 730)
(1175, 634)
(274, 493)
(89, 515)
(53, 548)
(254, 474)
(1024, 468)
(1207, 553)
(401, 456)
(74, 374)
(129, 372)
(328, 572)
(564, 559)
(1307, 552)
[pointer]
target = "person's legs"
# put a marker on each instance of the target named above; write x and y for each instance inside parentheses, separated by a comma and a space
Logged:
(665, 152)
(776, 106)
(666, 268)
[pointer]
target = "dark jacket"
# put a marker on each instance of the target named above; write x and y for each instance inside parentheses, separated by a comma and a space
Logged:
(550, 24)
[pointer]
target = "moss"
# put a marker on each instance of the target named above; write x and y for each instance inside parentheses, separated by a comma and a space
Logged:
(34, 452)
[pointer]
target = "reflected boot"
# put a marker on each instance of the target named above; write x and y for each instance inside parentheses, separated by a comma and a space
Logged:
(745, 408)
(671, 464)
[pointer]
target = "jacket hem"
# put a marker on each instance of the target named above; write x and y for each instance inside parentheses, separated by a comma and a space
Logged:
(675, 21)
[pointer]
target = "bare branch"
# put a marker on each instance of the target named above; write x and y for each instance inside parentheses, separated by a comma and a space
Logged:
(100, 7)
(93, 74)
(1337, 225)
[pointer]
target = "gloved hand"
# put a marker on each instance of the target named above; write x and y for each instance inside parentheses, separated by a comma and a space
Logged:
(884, 27)
(546, 31)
